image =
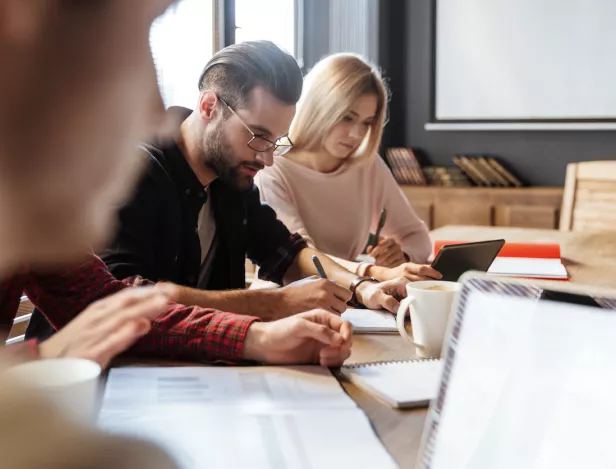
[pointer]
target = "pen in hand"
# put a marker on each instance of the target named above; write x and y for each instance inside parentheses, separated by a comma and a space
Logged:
(381, 224)
(319, 267)
(374, 238)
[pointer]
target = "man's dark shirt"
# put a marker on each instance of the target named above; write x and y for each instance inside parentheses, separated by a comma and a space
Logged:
(158, 238)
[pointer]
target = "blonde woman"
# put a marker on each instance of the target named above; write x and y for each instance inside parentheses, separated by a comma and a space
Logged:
(332, 186)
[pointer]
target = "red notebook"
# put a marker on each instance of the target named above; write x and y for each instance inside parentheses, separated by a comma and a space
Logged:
(525, 260)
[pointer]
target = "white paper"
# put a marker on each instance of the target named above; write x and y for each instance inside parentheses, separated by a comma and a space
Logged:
(532, 386)
(369, 320)
(365, 258)
(264, 388)
(243, 417)
(528, 267)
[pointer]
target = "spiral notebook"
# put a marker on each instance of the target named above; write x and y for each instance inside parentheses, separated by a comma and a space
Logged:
(370, 321)
(402, 384)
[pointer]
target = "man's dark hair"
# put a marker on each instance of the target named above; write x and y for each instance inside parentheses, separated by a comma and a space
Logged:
(236, 70)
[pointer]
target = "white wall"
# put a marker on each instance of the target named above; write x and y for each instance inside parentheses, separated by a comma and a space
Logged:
(525, 59)
(182, 43)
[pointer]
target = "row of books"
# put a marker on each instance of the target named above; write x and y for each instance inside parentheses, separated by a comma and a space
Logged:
(486, 171)
(405, 167)
(446, 176)
(466, 171)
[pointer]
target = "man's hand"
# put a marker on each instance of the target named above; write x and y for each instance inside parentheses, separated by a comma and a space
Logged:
(307, 338)
(109, 326)
(311, 293)
(388, 253)
(408, 270)
(384, 295)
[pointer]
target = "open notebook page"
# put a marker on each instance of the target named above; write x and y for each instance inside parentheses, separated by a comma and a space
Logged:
(370, 321)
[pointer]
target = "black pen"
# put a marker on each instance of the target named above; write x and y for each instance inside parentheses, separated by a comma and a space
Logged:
(317, 264)
(375, 238)
(382, 220)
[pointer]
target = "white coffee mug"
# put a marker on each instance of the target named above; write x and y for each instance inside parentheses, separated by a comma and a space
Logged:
(429, 304)
(71, 384)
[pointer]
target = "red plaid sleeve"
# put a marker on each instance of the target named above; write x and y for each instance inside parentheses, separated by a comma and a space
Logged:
(181, 332)
(193, 333)
(63, 294)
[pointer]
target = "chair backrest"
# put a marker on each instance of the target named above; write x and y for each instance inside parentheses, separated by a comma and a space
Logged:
(589, 201)
(20, 323)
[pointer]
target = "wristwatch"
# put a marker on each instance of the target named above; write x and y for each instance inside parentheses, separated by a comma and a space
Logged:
(356, 283)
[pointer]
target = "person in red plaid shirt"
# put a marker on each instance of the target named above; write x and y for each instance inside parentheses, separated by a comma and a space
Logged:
(81, 92)
(79, 81)
(65, 163)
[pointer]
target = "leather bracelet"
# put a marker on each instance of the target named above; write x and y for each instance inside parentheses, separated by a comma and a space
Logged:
(353, 287)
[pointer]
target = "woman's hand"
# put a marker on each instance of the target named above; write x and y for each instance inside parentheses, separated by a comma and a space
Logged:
(410, 271)
(388, 253)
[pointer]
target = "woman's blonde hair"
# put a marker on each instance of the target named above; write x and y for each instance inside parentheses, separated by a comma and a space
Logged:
(330, 90)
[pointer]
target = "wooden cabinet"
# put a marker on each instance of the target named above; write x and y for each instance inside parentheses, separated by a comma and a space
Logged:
(526, 207)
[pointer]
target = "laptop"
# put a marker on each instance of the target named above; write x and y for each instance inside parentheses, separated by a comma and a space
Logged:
(529, 378)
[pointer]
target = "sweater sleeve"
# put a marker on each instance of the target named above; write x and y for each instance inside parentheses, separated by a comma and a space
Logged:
(273, 188)
(403, 224)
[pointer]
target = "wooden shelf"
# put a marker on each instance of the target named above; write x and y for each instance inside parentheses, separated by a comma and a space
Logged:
(525, 207)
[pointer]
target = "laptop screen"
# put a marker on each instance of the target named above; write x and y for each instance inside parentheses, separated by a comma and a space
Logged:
(529, 381)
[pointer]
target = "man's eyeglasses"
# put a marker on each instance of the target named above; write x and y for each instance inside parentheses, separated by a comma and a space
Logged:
(262, 144)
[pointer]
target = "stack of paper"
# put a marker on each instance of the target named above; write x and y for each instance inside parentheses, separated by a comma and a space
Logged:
(530, 260)
(256, 417)
(529, 267)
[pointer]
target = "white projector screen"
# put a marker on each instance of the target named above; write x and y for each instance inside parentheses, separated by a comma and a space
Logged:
(525, 60)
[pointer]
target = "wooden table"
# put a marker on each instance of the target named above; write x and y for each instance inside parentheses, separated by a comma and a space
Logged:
(589, 258)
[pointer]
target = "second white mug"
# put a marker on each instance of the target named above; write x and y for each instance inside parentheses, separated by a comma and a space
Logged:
(71, 384)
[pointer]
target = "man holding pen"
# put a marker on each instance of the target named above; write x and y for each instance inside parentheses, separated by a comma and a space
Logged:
(197, 215)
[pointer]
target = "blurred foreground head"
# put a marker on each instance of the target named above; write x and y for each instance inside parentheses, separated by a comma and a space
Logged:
(78, 91)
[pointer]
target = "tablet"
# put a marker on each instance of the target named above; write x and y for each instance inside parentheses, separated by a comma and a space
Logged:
(455, 259)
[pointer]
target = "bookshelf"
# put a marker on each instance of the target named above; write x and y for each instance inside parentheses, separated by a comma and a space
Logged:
(525, 207)
(474, 190)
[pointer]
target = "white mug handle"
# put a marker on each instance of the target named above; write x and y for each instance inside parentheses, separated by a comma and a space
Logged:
(406, 304)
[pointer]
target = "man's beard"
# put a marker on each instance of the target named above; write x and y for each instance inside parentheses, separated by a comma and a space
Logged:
(218, 156)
